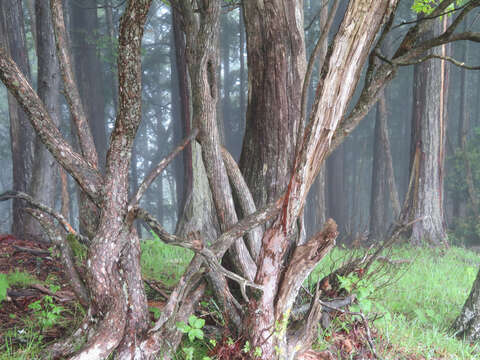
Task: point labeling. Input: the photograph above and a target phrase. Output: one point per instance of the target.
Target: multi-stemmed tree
(282, 154)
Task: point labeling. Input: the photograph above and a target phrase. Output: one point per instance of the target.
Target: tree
(424, 199)
(272, 267)
(21, 134)
(45, 171)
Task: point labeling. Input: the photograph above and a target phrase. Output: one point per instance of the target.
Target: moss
(79, 250)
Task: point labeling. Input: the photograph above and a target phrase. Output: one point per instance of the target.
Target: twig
(43, 208)
(403, 23)
(159, 168)
(446, 58)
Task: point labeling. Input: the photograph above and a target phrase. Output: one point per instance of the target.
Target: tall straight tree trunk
(378, 194)
(21, 132)
(458, 207)
(181, 111)
(85, 34)
(424, 199)
(88, 74)
(45, 170)
(276, 70)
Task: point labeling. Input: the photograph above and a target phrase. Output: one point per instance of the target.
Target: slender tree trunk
(45, 170)
(181, 111)
(88, 74)
(377, 214)
(21, 133)
(467, 325)
(336, 192)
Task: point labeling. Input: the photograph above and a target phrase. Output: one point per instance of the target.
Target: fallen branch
(36, 252)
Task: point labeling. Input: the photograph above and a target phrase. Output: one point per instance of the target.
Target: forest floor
(410, 303)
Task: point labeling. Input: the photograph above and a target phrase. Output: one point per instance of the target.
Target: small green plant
(246, 347)
(257, 352)
(193, 329)
(46, 312)
(194, 332)
(362, 288)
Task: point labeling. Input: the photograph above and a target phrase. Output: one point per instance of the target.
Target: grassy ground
(418, 302)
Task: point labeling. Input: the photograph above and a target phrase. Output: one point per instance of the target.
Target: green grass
(425, 301)
(21, 278)
(31, 340)
(163, 262)
(422, 299)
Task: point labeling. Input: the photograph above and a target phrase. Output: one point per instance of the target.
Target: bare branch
(195, 243)
(446, 58)
(159, 168)
(81, 170)
(245, 200)
(311, 63)
(59, 217)
(72, 94)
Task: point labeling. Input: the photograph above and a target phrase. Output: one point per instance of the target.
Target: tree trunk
(21, 133)
(458, 206)
(276, 65)
(336, 192)
(467, 325)
(378, 194)
(424, 199)
(85, 36)
(181, 112)
(45, 170)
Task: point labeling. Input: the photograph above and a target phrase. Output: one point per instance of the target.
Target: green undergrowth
(418, 301)
(163, 262)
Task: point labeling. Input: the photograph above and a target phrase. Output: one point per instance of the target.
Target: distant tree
(424, 200)
(43, 185)
(12, 35)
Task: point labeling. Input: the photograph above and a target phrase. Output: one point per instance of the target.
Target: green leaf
(195, 334)
(191, 320)
(183, 327)
(198, 323)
